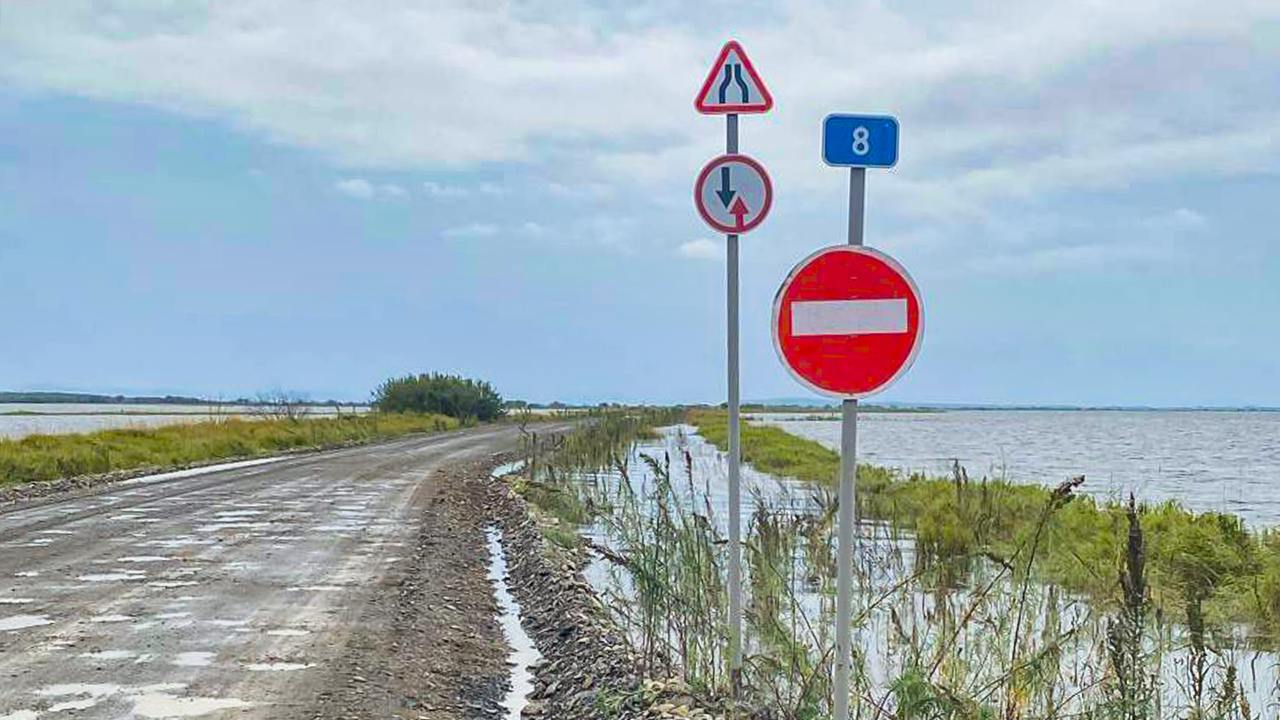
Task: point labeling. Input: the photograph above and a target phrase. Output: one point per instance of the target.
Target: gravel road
(259, 591)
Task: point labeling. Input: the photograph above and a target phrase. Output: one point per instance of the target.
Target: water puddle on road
(164, 705)
(276, 666)
(21, 622)
(524, 655)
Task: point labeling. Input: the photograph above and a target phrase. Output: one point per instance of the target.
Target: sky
(225, 198)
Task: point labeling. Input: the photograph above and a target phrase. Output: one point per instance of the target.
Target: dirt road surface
(348, 583)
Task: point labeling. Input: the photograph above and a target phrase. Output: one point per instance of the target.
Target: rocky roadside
(589, 670)
(428, 645)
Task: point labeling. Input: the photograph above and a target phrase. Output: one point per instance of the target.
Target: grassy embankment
(1208, 559)
(49, 457)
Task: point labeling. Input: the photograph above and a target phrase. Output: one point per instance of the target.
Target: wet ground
(250, 592)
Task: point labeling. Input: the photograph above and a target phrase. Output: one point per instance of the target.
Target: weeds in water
(1232, 571)
(958, 620)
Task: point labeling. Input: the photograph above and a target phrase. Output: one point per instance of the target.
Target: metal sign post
(733, 195)
(735, 436)
(848, 487)
(847, 322)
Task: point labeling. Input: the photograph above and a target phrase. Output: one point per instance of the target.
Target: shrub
(452, 395)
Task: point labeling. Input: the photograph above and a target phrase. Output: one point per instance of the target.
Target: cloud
(1005, 106)
(365, 190)
(471, 230)
(356, 188)
(701, 249)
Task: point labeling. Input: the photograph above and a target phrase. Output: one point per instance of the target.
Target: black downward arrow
(726, 195)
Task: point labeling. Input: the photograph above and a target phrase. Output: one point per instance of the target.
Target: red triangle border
(760, 107)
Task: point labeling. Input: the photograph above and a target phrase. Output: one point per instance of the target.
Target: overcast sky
(226, 197)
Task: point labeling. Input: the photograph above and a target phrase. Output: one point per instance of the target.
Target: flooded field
(1225, 461)
(22, 419)
(659, 523)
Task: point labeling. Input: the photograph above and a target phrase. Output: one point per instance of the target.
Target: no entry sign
(733, 194)
(847, 321)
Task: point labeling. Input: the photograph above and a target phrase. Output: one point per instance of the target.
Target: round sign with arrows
(733, 194)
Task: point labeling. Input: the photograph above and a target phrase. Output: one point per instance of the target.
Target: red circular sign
(847, 321)
(733, 194)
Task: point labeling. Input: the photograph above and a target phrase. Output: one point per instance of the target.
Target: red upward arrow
(738, 210)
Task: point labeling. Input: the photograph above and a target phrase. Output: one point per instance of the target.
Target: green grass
(38, 458)
(956, 521)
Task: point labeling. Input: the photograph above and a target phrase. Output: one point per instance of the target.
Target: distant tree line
(451, 395)
(49, 398)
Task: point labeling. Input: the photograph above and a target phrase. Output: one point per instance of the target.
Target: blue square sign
(860, 140)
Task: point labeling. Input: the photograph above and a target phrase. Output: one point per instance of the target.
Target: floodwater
(1205, 460)
(62, 418)
(699, 477)
(524, 654)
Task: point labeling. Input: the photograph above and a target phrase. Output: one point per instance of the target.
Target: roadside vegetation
(50, 457)
(975, 599)
(451, 395)
(1212, 558)
(552, 466)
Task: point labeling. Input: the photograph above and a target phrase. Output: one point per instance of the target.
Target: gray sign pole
(848, 490)
(735, 452)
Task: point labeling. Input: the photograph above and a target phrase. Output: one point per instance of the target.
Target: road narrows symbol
(733, 85)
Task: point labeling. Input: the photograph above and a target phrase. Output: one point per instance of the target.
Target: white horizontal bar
(849, 317)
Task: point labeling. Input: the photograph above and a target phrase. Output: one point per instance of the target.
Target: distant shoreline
(816, 409)
(65, 398)
(788, 405)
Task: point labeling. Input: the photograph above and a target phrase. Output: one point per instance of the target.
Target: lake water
(1224, 461)
(60, 418)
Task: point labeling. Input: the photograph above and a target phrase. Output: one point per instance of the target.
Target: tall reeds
(978, 633)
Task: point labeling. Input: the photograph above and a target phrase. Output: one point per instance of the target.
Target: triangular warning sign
(733, 85)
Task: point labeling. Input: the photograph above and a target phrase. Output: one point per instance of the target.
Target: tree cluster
(451, 395)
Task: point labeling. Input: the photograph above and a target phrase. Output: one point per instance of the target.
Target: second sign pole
(848, 488)
(735, 452)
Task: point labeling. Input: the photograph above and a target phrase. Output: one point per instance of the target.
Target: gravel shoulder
(428, 644)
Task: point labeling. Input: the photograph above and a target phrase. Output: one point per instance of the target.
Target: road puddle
(109, 655)
(193, 659)
(278, 666)
(149, 701)
(22, 622)
(164, 705)
(113, 577)
(524, 655)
